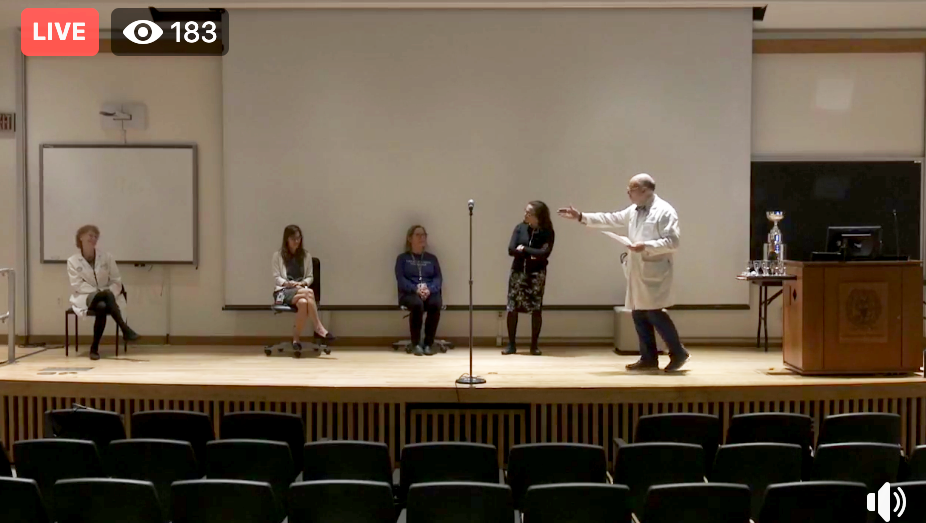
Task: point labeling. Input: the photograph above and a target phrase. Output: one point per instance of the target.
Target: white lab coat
(86, 280)
(279, 271)
(649, 273)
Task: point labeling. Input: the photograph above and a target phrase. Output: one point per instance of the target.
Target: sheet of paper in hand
(622, 239)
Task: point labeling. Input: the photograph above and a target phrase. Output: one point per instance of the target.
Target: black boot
(510, 350)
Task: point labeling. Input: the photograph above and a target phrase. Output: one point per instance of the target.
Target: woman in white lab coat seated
(96, 285)
(292, 276)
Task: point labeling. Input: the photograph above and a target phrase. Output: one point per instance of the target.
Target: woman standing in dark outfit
(531, 244)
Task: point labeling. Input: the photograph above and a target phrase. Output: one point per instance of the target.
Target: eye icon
(148, 31)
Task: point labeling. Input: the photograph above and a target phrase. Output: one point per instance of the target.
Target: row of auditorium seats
(347, 501)
(639, 468)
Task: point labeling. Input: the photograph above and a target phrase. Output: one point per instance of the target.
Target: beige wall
(184, 97)
(8, 195)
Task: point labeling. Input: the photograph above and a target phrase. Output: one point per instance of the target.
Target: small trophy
(774, 249)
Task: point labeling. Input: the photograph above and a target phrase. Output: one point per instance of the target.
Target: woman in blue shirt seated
(418, 276)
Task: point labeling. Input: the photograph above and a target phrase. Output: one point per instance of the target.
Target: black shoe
(677, 364)
(327, 337)
(297, 346)
(535, 351)
(94, 356)
(428, 351)
(129, 334)
(510, 350)
(642, 364)
(418, 350)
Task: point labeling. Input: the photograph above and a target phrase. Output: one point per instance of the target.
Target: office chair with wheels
(317, 344)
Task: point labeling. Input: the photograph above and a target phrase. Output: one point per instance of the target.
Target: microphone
(471, 204)
(896, 234)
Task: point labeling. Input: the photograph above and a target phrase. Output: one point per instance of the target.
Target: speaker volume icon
(882, 502)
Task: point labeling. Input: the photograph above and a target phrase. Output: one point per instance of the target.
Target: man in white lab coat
(652, 227)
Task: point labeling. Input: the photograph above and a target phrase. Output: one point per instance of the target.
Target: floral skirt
(525, 291)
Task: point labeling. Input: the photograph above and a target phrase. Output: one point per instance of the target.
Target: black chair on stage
(90, 313)
(317, 344)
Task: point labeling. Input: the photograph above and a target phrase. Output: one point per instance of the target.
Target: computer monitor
(855, 242)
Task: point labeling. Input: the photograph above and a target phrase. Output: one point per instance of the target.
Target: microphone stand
(469, 379)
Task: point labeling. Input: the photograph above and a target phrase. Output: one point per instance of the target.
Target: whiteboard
(142, 197)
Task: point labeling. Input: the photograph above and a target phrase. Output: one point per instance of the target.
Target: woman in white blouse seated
(292, 275)
(96, 285)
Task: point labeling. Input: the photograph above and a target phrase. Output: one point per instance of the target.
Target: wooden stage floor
(560, 371)
(573, 394)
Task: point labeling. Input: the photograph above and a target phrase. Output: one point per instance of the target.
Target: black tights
(104, 304)
(536, 323)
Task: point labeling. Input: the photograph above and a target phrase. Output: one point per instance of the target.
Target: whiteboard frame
(191, 146)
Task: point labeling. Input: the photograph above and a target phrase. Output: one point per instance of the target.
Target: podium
(857, 317)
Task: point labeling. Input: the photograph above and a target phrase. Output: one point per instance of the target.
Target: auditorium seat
(252, 460)
(359, 460)
(350, 501)
(682, 427)
(775, 427)
(868, 463)
(460, 502)
(915, 496)
(6, 470)
(697, 503)
(642, 465)
(577, 502)
(21, 501)
(446, 461)
(757, 465)
(869, 427)
(98, 426)
(107, 500)
(49, 460)
(224, 501)
(270, 426)
(546, 463)
(917, 468)
(159, 461)
(815, 501)
(180, 425)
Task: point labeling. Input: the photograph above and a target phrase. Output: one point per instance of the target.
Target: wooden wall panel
(399, 424)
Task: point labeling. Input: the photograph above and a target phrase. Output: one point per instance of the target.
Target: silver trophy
(774, 249)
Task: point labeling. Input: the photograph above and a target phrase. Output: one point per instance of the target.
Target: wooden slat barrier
(398, 424)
